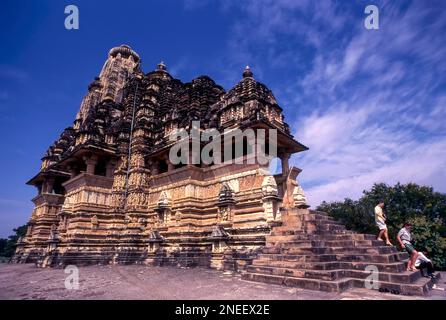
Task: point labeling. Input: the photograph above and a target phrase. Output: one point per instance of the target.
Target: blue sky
(370, 104)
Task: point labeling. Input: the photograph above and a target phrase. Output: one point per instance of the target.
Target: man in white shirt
(380, 220)
(424, 262)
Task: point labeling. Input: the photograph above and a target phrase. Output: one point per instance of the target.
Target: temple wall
(121, 200)
(91, 227)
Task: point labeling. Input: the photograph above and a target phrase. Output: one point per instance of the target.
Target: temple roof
(158, 103)
(250, 89)
(124, 50)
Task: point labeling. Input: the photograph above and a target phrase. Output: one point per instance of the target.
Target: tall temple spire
(121, 62)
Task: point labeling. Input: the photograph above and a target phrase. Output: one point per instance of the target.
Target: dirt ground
(155, 283)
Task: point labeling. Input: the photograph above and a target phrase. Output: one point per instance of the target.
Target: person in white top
(424, 262)
(380, 220)
(404, 237)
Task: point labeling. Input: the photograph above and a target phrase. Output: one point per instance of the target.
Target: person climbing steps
(380, 220)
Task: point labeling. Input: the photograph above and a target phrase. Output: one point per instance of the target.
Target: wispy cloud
(10, 72)
(379, 114)
(423, 164)
(370, 104)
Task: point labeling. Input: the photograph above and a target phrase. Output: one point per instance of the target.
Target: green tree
(3, 244)
(420, 205)
(10, 245)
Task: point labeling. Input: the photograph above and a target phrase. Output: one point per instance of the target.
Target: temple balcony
(48, 198)
(86, 191)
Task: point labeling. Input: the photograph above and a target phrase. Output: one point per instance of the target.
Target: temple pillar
(91, 164)
(270, 199)
(154, 168)
(110, 168)
(48, 185)
(284, 158)
(73, 169)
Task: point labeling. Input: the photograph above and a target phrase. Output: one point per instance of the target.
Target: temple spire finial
(161, 66)
(247, 72)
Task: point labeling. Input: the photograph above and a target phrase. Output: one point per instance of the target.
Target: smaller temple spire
(247, 73)
(161, 66)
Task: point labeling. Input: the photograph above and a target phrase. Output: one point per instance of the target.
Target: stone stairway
(311, 250)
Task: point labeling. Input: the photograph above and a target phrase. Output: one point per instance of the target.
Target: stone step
(351, 256)
(345, 236)
(307, 248)
(304, 248)
(287, 232)
(382, 249)
(324, 243)
(325, 237)
(398, 266)
(404, 277)
(288, 237)
(399, 277)
(419, 287)
(309, 284)
(313, 251)
(330, 227)
(321, 216)
(299, 223)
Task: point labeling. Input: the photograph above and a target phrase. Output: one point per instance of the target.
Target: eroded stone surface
(141, 282)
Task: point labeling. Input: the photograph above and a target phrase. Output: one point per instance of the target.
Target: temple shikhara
(107, 192)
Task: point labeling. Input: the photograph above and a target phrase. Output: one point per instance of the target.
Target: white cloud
(425, 164)
(369, 104)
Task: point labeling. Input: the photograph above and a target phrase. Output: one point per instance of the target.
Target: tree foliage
(7, 246)
(420, 205)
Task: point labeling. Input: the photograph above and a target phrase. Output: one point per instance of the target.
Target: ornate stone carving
(177, 217)
(269, 187)
(163, 201)
(270, 198)
(219, 239)
(300, 200)
(218, 232)
(163, 209)
(53, 232)
(226, 204)
(94, 222)
(155, 239)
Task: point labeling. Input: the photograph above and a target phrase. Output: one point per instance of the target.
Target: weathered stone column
(91, 163)
(154, 168)
(285, 157)
(219, 238)
(48, 185)
(110, 168)
(270, 199)
(72, 168)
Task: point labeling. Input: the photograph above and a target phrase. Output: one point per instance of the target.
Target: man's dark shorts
(409, 248)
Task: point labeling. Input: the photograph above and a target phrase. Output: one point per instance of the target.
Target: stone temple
(108, 193)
